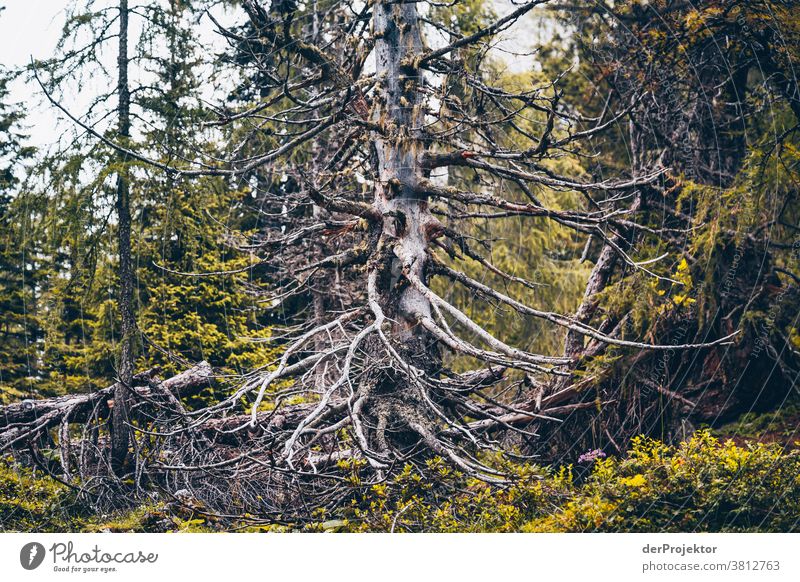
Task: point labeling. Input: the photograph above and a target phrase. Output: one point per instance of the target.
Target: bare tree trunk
(120, 437)
(408, 222)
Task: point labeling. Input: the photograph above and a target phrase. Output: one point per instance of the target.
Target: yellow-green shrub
(34, 502)
(700, 485)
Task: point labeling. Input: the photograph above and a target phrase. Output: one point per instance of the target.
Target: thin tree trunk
(120, 434)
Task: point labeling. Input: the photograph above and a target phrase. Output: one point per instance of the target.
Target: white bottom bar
(401, 557)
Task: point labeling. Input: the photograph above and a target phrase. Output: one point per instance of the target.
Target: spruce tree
(20, 332)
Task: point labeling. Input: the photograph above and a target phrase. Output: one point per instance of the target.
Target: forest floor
(780, 426)
(741, 476)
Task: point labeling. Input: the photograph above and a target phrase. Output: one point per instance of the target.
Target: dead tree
(389, 115)
(389, 100)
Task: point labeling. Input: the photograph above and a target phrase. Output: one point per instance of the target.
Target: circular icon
(31, 555)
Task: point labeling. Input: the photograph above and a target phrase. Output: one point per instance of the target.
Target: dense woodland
(399, 265)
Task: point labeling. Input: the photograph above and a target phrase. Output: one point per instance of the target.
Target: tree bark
(408, 222)
(120, 433)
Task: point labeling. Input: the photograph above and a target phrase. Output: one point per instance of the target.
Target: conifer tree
(20, 332)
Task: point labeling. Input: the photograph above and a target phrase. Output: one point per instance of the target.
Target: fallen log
(20, 422)
(30, 409)
(26, 419)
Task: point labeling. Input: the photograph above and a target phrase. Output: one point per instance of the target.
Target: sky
(30, 29)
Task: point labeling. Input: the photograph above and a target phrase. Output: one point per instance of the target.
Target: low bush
(702, 484)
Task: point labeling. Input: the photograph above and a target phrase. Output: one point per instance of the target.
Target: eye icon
(31, 555)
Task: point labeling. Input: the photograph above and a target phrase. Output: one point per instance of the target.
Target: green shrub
(700, 485)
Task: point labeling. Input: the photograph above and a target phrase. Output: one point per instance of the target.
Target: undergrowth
(703, 484)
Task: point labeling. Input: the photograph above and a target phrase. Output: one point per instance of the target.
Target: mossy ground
(703, 484)
(781, 426)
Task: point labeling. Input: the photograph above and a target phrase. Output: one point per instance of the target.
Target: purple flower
(591, 456)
